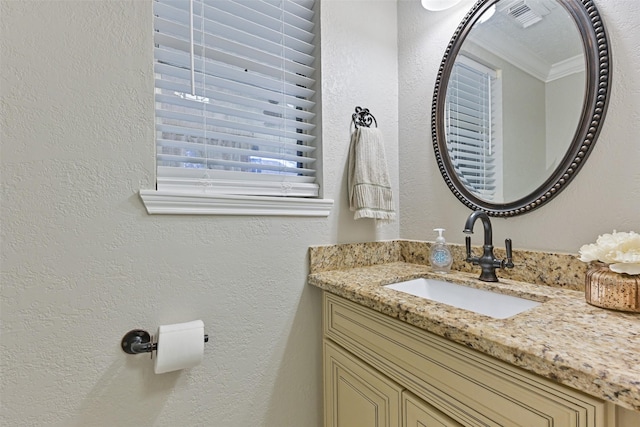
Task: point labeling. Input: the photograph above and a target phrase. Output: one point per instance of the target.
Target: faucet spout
(486, 224)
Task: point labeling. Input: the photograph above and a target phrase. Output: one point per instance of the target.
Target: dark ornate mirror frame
(598, 77)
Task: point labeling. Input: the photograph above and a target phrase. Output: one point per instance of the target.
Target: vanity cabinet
(380, 371)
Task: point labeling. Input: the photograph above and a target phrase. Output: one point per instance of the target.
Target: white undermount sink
(480, 301)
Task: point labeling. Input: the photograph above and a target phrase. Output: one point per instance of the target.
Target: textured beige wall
(82, 263)
(605, 195)
(359, 68)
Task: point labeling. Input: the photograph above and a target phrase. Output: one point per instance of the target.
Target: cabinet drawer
(472, 388)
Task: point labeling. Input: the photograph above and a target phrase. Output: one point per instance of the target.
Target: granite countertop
(565, 339)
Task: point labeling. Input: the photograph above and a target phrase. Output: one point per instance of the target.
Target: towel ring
(362, 117)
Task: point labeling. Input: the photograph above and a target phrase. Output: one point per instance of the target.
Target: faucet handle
(508, 247)
(472, 259)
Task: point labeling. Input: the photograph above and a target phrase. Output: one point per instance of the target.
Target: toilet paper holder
(138, 341)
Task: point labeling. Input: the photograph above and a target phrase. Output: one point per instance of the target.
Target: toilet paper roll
(180, 346)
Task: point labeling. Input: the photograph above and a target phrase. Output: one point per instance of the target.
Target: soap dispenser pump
(440, 257)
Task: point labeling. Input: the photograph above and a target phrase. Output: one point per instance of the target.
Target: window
(473, 127)
(234, 88)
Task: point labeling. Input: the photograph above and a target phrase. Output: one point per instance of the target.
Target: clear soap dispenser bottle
(440, 256)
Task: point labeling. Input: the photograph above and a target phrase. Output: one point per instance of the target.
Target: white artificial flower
(625, 268)
(589, 253)
(620, 250)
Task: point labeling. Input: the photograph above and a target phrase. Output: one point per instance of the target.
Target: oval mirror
(519, 101)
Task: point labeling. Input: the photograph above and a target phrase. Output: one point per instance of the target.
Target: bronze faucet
(487, 261)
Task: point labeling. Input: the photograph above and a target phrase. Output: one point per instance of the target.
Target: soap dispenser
(440, 256)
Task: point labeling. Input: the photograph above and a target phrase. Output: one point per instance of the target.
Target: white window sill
(181, 203)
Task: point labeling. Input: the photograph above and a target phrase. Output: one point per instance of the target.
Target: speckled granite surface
(541, 268)
(564, 339)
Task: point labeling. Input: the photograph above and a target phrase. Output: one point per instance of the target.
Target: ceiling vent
(525, 12)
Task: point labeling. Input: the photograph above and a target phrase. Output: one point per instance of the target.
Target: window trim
(191, 203)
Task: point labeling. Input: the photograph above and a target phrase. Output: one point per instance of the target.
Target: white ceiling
(543, 48)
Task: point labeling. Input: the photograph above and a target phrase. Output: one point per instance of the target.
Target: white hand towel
(370, 193)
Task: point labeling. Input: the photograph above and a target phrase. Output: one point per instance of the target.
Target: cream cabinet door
(356, 395)
(417, 413)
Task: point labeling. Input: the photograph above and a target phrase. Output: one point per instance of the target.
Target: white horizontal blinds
(234, 88)
(469, 127)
